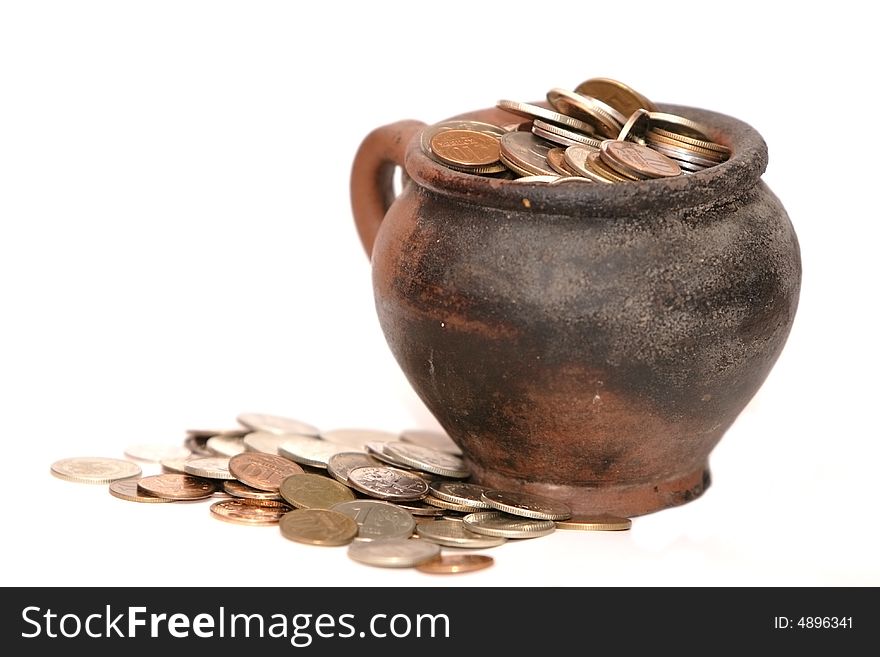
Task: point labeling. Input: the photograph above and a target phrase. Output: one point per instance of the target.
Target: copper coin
(634, 160)
(467, 148)
(598, 165)
(127, 489)
(246, 512)
(237, 489)
(616, 94)
(604, 119)
(176, 487)
(451, 564)
(262, 471)
(318, 527)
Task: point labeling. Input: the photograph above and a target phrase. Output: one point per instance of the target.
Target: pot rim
(739, 174)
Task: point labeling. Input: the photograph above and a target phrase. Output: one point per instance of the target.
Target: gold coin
(249, 512)
(679, 125)
(311, 491)
(616, 94)
(127, 489)
(176, 487)
(318, 527)
(94, 469)
(711, 148)
(636, 161)
(595, 523)
(451, 564)
(466, 148)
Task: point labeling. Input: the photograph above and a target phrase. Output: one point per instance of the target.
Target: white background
(177, 247)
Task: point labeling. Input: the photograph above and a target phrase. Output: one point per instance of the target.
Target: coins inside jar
(598, 110)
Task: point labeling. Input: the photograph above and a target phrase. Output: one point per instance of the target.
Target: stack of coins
(603, 131)
(397, 499)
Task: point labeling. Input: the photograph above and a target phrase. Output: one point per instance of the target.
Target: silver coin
(601, 116)
(265, 442)
(225, 445)
(497, 523)
(461, 493)
(561, 135)
(341, 463)
(197, 445)
(94, 469)
(636, 127)
(210, 467)
(308, 451)
(394, 553)
(421, 509)
(356, 439)
(538, 112)
(378, 520)
(527, 505)
(542, 180)
(376, 449)
(276, 424)
(527, 153)
(204, 434)
(387, 483)
(153, 453)
(173, 465)
(454, 534)
(576, 158)
(451, 506)
(428, 460)
(433, 439)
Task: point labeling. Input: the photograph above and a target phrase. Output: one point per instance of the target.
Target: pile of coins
(398, 500)
(603, 132)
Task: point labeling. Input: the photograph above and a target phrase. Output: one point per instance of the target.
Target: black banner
(435, 620)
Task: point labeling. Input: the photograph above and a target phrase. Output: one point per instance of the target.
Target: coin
(604, 119)
(637, 161)
(429, 132)
(377, 520)
(341, 463)
(538, 112)
(527, 505)
(262, 471)
(421, 509)
(451, 564)
(616, 94)
(153, 453)
(197, 445)
(496, 523)
(526, 154)
(211, 467)
(309, 451)
(433, 439)
(388, 483)
(265, 442)
(466, 148)
(225, 445)
(245, 512)
(357, 439)
(94, 469)
(654, 137)
(678, 125)
(556, 160)
(237, 489)
(318, 527)
(276, 424)
(636, 127)
(722, 150)
(461, 493)
(595, 523)
(680, 154)
(428, 460)
(539, 180)
(127, 489)
(560, 135)
(176, 487)
(576, 158)
(454, 534)
(393, 553)
(204, 434)
(598, 166)
(311, 491)
(173, 465)
(377, 450)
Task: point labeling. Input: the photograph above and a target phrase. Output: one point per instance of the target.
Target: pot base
(619, 500)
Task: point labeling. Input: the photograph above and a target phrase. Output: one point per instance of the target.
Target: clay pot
(591, 343)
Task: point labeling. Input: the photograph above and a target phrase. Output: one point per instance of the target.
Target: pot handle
(372, 176)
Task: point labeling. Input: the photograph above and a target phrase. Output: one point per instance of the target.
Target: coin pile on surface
(603, 132)
(398, 500)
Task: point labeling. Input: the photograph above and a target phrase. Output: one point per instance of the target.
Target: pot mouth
(738, 174)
